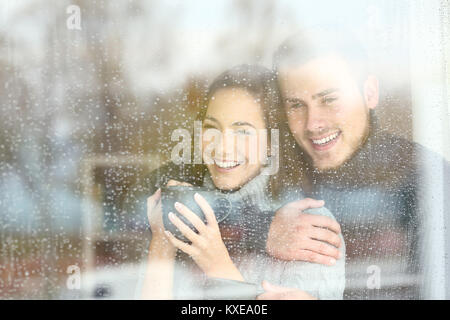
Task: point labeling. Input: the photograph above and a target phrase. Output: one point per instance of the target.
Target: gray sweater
(248, 254)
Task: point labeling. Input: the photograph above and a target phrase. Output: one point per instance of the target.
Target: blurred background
(88, 102)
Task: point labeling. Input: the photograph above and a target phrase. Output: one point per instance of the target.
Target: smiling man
(327, 113)
(336, 151)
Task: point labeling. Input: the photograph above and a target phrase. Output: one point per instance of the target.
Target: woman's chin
(227, 186)
(228, 182)
(231, 183)
(233, 179)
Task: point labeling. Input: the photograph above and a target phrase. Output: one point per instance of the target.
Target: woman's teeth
(226, 165)
(326, 139)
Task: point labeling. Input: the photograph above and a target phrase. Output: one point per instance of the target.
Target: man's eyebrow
(293, 100)
(324, 93)
(242, 123)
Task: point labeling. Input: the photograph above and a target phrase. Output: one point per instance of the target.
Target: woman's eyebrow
(242, 123)
(211, 119)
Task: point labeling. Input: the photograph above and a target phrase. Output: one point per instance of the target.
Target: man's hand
(273, 292)
(294, 235)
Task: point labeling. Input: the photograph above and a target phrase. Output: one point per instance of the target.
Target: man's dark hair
(295, 51)
(313, 43)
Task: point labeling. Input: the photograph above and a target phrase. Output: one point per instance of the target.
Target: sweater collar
(254, 190)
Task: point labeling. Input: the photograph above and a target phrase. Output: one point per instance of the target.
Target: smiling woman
(236, 114)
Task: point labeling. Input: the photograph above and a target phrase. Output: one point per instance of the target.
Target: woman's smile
(226, 166)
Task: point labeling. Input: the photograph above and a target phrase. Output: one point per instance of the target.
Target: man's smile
(325, 142)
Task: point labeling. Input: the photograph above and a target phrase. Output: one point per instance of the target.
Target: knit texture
(376, 196)
(244, 233)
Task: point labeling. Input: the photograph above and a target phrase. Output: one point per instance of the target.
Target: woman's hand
(207, 248)
(158, 281)
(154, 215)
(273, 292)
(159, 245)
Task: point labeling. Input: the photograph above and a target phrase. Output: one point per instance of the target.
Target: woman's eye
(244, 132)
(208, 126)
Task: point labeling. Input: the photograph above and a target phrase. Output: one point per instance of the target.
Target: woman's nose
(226, 147)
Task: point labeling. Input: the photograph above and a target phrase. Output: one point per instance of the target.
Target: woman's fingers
(273, 292)
(190, 216)
(172, 183)
(206, 208)
(183, 246)
(184, 229)
(267, 286)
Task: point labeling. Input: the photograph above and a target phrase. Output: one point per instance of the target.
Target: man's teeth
(226, 165)
(326, 139)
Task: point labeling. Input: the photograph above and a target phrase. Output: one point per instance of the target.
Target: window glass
(100, 106)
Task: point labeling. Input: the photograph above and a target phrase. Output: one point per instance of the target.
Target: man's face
(326, 110)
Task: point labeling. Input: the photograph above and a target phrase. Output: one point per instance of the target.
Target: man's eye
(329, 100)
(297, 105)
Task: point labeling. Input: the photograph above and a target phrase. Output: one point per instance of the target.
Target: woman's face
(232, 131)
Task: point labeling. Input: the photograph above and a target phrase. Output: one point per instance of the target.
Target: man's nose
(315, 119)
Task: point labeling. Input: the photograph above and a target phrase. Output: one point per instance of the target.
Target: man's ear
(371, 93)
